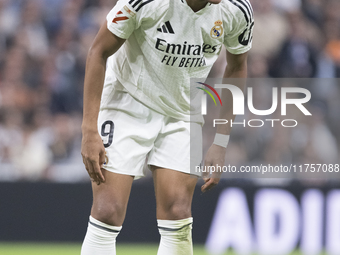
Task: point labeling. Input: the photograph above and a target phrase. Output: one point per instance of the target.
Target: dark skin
(93, 151)
(111, 191)
(197, 5)
(236, 68)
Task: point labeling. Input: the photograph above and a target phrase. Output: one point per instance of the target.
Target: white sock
(100, 238)
(175, 237)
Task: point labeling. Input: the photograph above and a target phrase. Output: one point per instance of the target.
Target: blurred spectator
(298, 54)
(287, 5)
(270, 30)
(44, 44)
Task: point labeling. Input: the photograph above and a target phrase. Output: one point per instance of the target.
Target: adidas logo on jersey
(166, 28)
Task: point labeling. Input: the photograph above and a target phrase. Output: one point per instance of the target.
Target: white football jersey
(168, 43)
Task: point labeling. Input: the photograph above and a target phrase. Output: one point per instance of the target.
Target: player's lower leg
(107, 214)
(175, 237)
(174, 191)
(100, 238)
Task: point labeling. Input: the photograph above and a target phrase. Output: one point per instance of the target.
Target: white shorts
(132, 132)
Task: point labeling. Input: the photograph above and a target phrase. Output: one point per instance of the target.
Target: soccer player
(136, 106)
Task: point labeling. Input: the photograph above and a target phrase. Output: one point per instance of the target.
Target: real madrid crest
(217, 30)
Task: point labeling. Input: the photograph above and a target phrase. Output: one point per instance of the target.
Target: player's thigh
(174, 191)
(110, 198)
(128, 130)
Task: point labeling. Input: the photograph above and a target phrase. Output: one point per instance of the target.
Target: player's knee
(112, 214)
(179, 210)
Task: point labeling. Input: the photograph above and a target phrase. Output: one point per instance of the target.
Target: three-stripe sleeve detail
(138, 4)
(245, 8)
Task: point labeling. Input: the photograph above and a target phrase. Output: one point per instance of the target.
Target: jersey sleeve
(123, 19)
(239, 38)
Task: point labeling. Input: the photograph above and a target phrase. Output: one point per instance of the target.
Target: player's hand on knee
(214, 161)
(93, 153)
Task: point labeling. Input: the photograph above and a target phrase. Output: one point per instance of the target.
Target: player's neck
(197, 5)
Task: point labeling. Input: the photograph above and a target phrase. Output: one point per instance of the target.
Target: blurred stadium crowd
(43, 48)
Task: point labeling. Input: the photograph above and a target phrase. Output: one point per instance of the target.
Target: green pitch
(74, 249)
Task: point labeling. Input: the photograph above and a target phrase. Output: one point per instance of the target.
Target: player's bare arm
(92, 149)
(236, 68)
